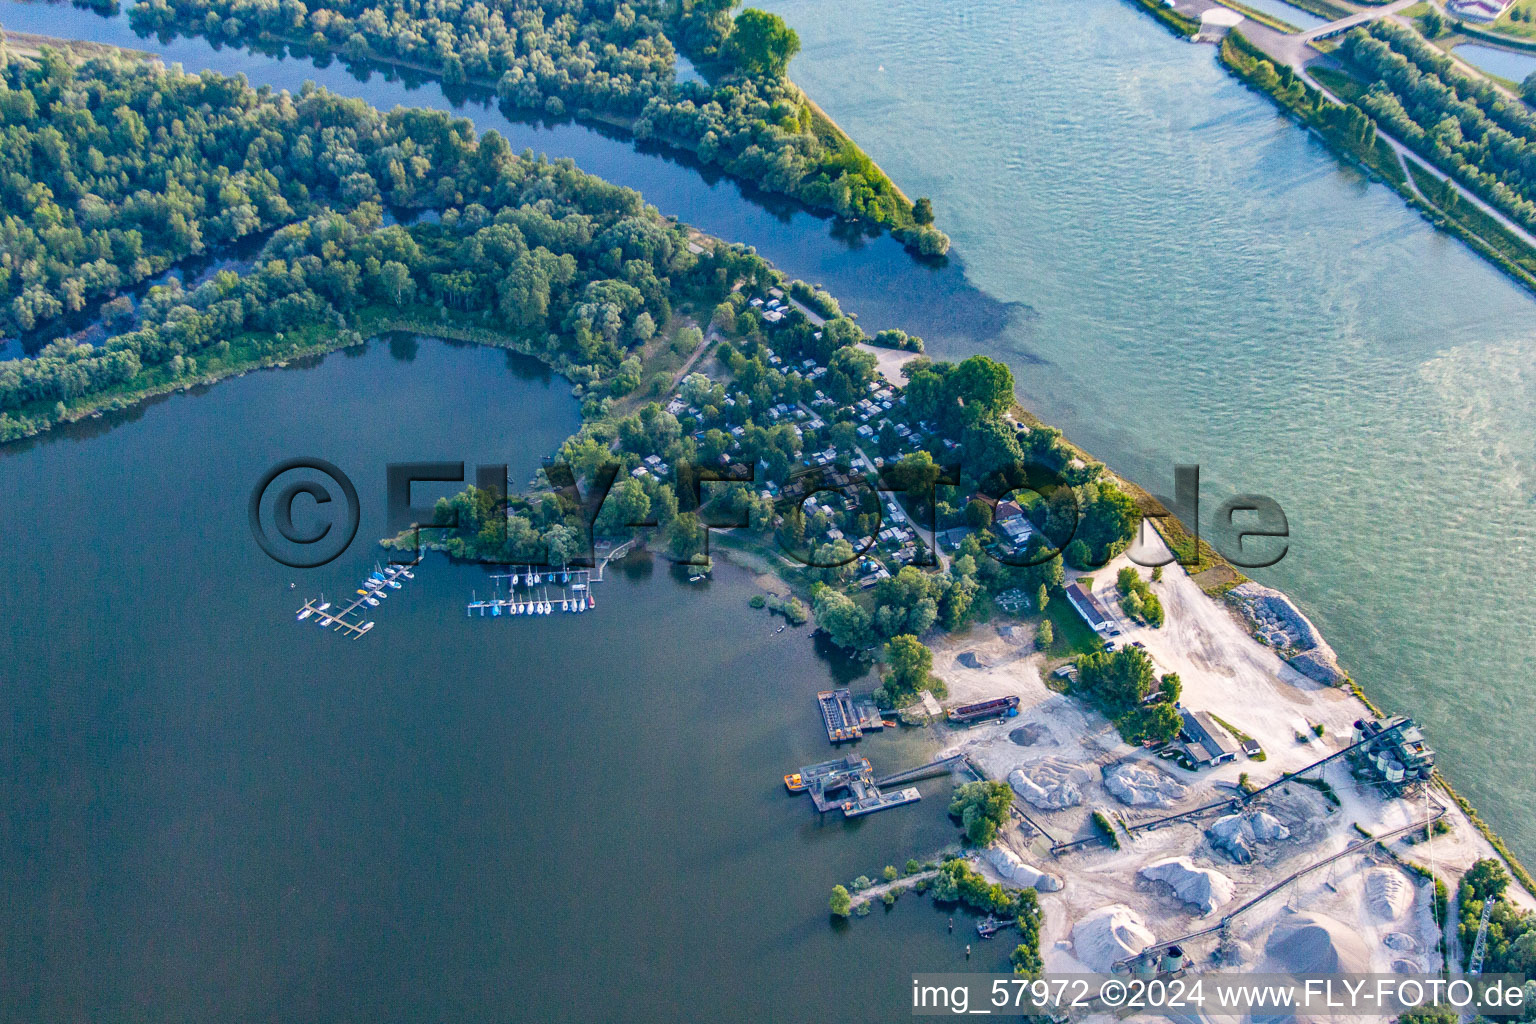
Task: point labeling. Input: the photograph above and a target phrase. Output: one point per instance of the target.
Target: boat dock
(538, 590)
(348, 619)
(848, 785)
(846, 718)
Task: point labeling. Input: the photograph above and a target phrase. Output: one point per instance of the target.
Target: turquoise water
(214, 814)
(1286, 13)
(1497, 61)
(1193, 279)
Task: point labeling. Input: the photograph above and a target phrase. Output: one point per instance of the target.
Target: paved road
(1344, 24)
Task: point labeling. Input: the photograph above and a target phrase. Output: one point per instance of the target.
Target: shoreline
(339, 338)
(301, 48)
(374, 322)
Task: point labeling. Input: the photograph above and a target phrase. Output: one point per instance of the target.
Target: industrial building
(1392, 750)
(1204, 740)
(1087, 606)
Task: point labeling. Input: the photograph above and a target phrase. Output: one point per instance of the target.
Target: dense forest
(1462, 124)
(579, 269)
(519, 251)
(613, 61)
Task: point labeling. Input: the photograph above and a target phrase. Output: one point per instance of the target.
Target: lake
(1174, 272)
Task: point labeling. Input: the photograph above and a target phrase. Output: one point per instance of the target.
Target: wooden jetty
(348, 620)
(528, 592)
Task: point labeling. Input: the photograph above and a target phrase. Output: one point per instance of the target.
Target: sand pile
(1387, 893)
(1202, 888)
(1049, 783)
(1238, 835)
(1317, 944)
(1008, 865)
(1107, 935)
(1142, 785)
(1030, 733)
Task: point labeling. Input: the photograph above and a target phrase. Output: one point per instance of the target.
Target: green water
(1197, 280)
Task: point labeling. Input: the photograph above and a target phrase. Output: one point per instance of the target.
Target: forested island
(610, 62)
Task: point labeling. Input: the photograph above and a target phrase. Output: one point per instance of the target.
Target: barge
(997, 707)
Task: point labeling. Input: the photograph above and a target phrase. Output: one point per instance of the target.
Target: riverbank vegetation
(1181, 25)
(1459, 123)
(551, 260)
(613, 63)
(1511, 939)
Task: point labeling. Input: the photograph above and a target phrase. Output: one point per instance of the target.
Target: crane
(1475, 965)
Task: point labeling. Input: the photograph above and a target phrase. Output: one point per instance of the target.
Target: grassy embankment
(1443, 206)
(1254, 14)
(1329, 120)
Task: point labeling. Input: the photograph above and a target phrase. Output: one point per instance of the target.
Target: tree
(1159, 723)
(922, 210)
(983, 386)
(911, 664)
(978, 514)
(844, 621)
(1172, 687)
(1432, 24)
(1528, 88)
(685, 538)
(983, 809)
(1116, 680)
(761, 43)
(1042, 598)
(1045, 636)
(841, 903)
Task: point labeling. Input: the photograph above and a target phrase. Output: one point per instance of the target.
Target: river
(218, 821)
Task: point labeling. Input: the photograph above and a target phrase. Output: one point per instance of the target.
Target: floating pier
(348, 619)
(846, 718)
(848, 785)
(538, 590)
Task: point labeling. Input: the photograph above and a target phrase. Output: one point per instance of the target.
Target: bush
(1106, 829)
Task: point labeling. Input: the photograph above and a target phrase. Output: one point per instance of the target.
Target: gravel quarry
(1370, 910)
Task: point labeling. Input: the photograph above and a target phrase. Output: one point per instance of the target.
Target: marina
(348, 620)
(538, 590)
